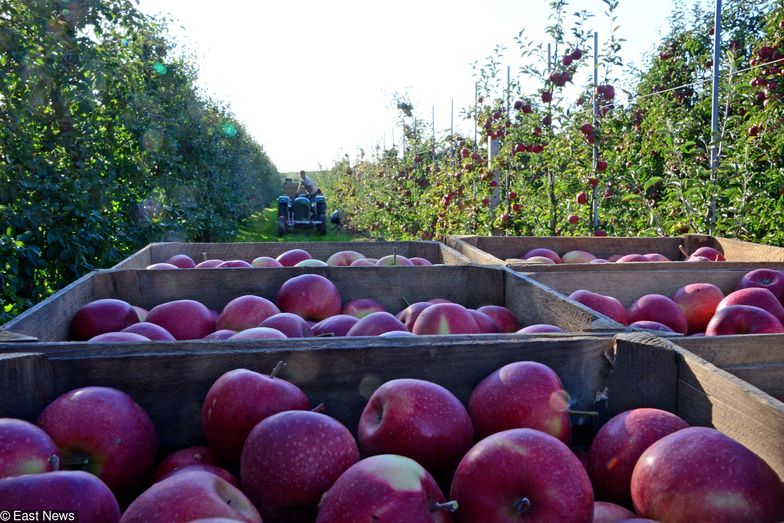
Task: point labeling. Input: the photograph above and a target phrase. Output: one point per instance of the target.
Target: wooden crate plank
(139, 260)
(466, 246)
(748, 251)
(739, 350)
(26, 385)
(14, 337)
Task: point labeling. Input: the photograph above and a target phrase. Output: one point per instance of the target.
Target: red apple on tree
(25, 449)
(101, 316)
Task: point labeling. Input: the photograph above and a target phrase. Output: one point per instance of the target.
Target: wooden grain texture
(14, 337)
(26, 385)
(434, 251)
(171, 385)
(737, 250)
(466, 246)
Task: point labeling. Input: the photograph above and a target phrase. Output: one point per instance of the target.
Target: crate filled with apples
(435, 431)
(142, 306)
(175, 255)
(615, 253)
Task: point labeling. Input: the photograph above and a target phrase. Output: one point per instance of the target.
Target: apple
(100, 316)
(577, 256)
(710, 253)
(363, 262)
(245, 312)
(25, 449)
(522, 475)
(118, 337)
(650, 325)
(161, 266)
(375, 324)
(416, 260)
(312, 262)
(150, 331)
(387, 487)
(311, 296)
(605, 512)
(394, 259)
(541, 251)
(184, 319)
(361, 307)
(505, 319)
(240, 399)
(629, 258)
(700, 259)
(743, 319)
(141, 312)
(657, 257)
(103, 431)
(189, 495)
(344, 258)
(208, 264)
(183, 261)
(770, 279)
(700, 474)
(220, 334)
(291, 459)
(212, 469)
(486, 324)
(614, 258)
(258, 333)
(67, 490)
(234, 264)
(698, 301)
(396, 334)
(183, 458)
(409, 315)
(539, 328)
(417, 419)
(660, 308)
(291, 257)
(618, 445)
(337, 325)
(265, 262)
(757, 297)
(291, 325)
(581, 198)
(607, 305)
(540, 259)
(523, 394)
(445, 318)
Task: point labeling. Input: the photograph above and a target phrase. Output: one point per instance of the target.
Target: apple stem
(204, 255)
(522, 505)
(683, 251)
(449, 506)
(277, 369)
(319, 408)
(583, 412)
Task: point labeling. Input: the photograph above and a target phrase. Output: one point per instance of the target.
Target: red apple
(222, 473)
(522, 475)
(409, 315)
(183, 458)
(650, 325)
(396, 334)
(291, 325)
(628, 258)
(184, 319)
(25, 449)
(291, 459)
(375, 324)
(258, 333)
(700, 474)
(540, 259)
(445, 318)
(599, 260)
(311, 263)
(657, 257)
(756, 297)
(417, 419)
(161, 266)
(337, 325)
(660, 308)
(183, 261)
(577, 256)
(291, 257)
(770, 279)
(605, 512)
(699, 259)
(361, 307)
(189, 495)
(234, 264)
(344, 258)
(416, 260)
(698, 301)
(385, 488)
(541, 251)
(245, 312)
(524, 394)
(539, 328)
(103, 431)
(710, 253)
(743, 319)
(208, 264)
(150, 331)
(607, 305)
(221, 334)
(100, 316)
(311, 296)
(394, 259)
(364, 262)
(486, 324)
(265, 262)
(505, 319)
(618, 445)
(614, 258)
(118, 337)
(240, 399)
(73, 490)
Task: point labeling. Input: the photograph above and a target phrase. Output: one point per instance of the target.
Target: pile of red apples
(292, 258)
(550, 257)
(702, 309)
(306, 305)
(503, 457)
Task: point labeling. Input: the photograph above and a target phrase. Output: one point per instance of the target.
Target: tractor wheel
(322, 227)
(281, 226)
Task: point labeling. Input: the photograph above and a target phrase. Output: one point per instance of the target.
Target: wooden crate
(599, 374)
(508, 250)
(435, 252)
(394, 287)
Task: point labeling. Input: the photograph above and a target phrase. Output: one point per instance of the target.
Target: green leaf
(653, 181)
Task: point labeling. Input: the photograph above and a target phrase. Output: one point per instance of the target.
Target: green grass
(263, 227)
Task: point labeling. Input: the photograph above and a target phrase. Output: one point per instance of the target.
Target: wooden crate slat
(26, 385)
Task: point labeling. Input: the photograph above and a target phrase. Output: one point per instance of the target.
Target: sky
(313, 80)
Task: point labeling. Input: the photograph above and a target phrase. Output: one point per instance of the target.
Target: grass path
(263, 227)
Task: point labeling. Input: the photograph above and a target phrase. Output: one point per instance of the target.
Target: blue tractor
(302, 212)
